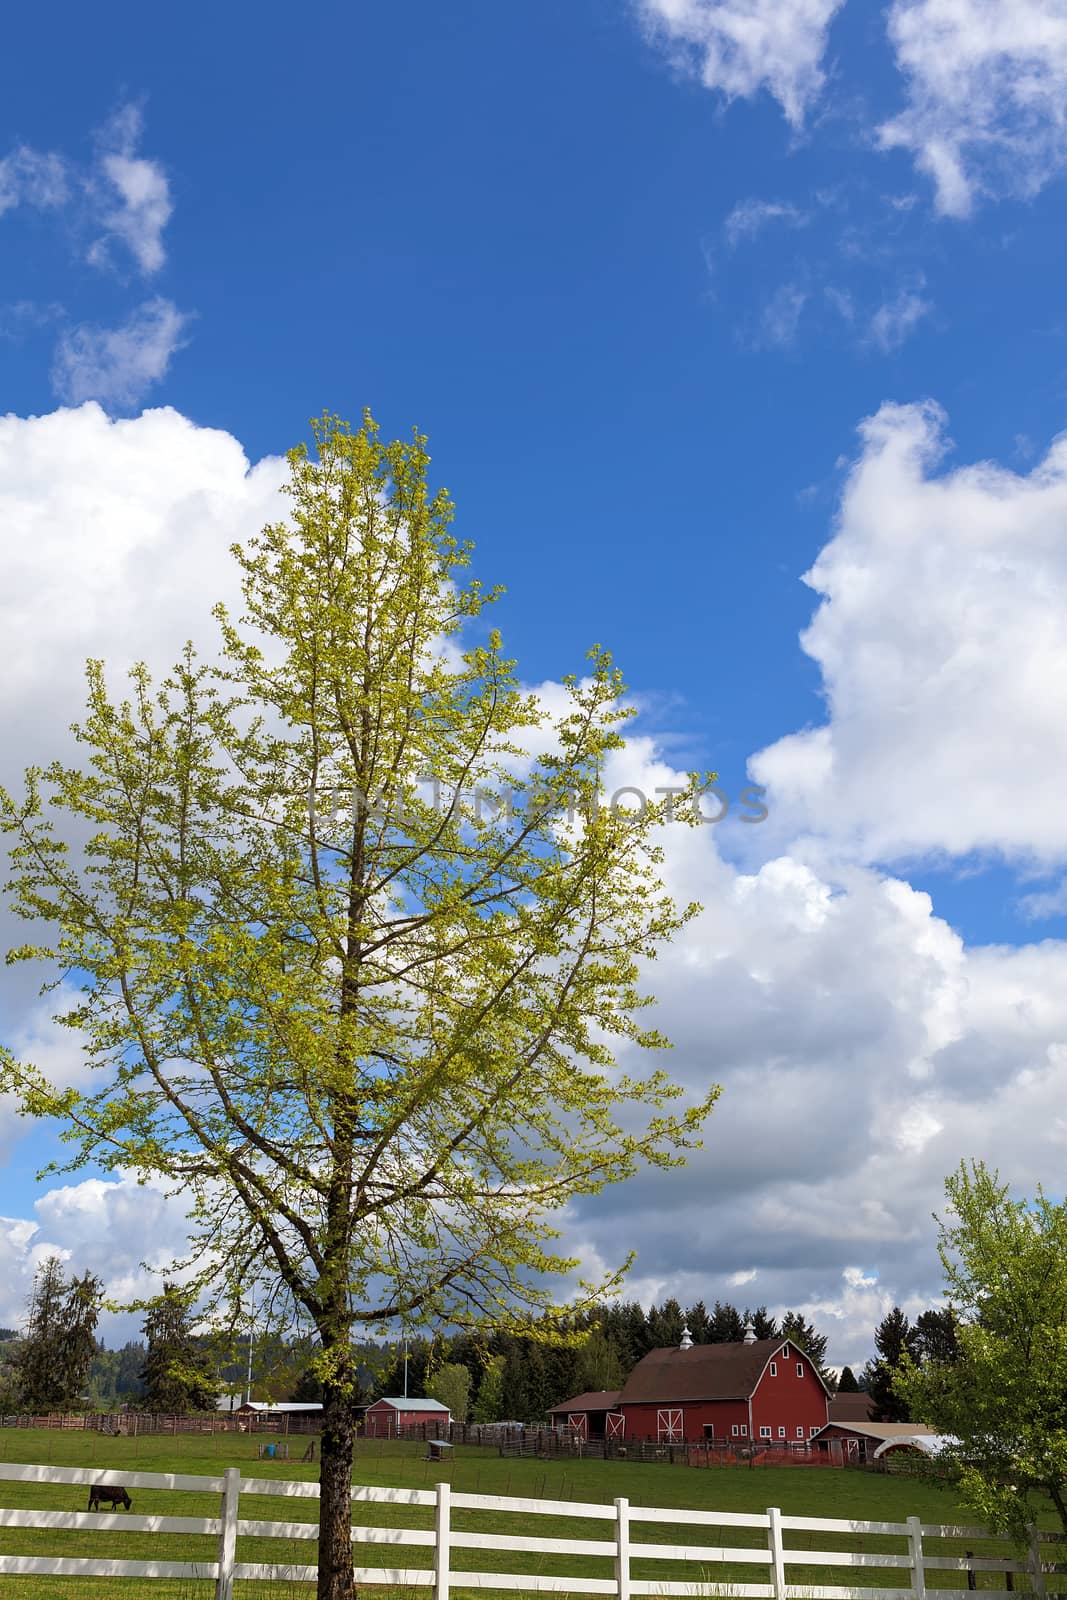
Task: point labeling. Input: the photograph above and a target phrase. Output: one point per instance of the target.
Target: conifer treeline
(520, 1379)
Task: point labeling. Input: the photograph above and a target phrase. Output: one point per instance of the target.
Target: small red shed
(386, 1418)
(755, 1389)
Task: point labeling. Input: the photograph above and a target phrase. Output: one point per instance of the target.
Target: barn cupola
(750, 1334)
(687, 1340)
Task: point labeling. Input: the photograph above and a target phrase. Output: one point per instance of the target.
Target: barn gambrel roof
(706, 1372)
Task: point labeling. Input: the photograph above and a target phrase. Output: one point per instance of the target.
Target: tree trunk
(335, 1496)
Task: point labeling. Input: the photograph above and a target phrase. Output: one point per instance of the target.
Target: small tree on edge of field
(1001, 1390)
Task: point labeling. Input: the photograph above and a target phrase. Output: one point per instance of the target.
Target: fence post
(915, 1551)
(622, 1548)
(1037, 1576)
(777, 1549)
(442, 1544)
(231, 1500)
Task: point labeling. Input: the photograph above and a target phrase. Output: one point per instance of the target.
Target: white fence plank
(844, 1558)
(546, 1508)
(535, 1583)
(278, 1572)
(698, 1519)
(532, 1543)
(729, 1591)
(848, 1525)
(107, 1522)
(117, 1476)
(700, 1552)
(96, 1567)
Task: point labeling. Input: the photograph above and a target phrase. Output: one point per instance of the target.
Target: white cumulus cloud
(987, 95)
(118, 366)
(135, 204)
(739, 47)
(941, 641)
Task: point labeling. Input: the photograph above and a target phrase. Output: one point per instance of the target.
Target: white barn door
(669, 1426)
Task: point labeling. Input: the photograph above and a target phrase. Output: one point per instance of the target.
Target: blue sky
(641, 272)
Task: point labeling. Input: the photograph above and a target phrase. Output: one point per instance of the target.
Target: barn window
(812, 1432)
(733, 1430)
(800, 1431)
(781, 1433)
(785, 1351)
(744, 1430)
(800, 1369)
(765, 1433)
(774, 1369)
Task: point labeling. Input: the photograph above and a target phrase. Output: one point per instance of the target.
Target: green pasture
(798, 1491)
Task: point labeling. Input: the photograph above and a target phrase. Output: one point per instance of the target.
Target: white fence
(618, 1550)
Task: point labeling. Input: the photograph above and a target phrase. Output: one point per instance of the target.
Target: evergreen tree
(307, 1390)
(52, 1361)
(894, 1340)
(763, 1324)
(725, 1325)
(697, 1321)
(936, 1337)
(627, 1325)
(36, 1363)
(515, 1382)
(846, 1383)
(77, 1344)
(177, 1375)
(665, 1324)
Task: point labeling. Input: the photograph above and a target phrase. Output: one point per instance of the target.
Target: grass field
(795, 1490)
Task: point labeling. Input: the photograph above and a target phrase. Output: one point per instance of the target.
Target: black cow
(108, 1494)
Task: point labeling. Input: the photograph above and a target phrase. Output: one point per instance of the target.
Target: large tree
(374, 1036)
(1001, 1390)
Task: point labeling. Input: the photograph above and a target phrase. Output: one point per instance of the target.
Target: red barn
(385, 1418)
(756, 1389)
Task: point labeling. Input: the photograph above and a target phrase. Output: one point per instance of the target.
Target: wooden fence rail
(619, 1549)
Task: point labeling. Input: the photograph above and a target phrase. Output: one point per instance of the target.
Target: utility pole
(251, 1323)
